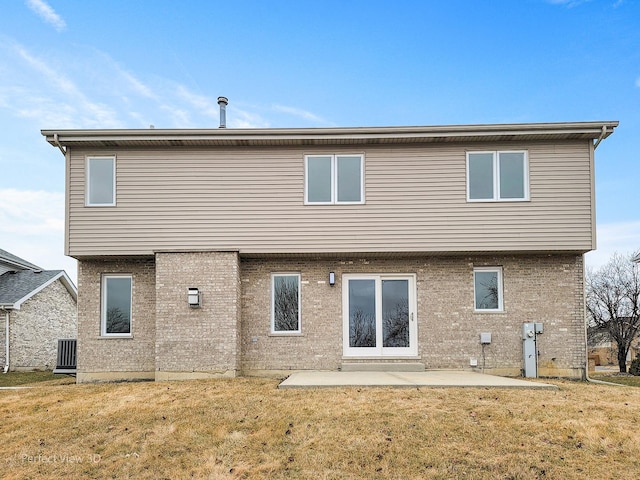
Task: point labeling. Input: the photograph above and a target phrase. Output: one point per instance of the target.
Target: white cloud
(298, 113)
(43, 100)
(622, 237)
(48, 14)
(33, 228)
(240, 118)
(568, 3)
(95, 91)
(205, 105)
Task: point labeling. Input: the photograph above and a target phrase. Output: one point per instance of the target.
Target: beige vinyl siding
(252, 200)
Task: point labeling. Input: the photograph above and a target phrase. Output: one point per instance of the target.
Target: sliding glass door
(379, 315)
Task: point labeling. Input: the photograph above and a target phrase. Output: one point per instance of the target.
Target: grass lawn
(246, 428)
(622, 379)
(14, 379)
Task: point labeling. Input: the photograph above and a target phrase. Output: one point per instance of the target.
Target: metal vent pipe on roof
(223, 101)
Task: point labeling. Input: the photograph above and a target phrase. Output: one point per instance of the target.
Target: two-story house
(261, 251)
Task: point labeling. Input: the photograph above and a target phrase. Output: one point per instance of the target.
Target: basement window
(101, 182)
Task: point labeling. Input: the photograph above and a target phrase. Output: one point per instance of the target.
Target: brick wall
(116, 358)
(231, 331)
(544, 288)
(203, 340)
(35, 329)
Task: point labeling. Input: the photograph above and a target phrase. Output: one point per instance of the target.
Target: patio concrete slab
(431, 378)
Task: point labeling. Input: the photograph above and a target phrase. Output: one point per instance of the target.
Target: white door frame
(379, 351)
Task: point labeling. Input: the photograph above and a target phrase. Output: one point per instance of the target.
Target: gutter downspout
(6, 332)
(64, 152)
(602, 134)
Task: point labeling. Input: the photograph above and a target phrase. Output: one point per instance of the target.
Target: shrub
(634, 369)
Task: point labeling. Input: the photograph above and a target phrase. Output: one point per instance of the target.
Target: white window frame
(87, 201)
(379, 351)
(496, 176)
(334, 179)
(273, 290)
(103, 307)
(500, 308)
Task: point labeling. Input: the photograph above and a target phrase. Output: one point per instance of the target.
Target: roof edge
(592, 130)
(61, 275)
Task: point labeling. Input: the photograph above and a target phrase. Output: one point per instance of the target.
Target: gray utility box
(530, 332)
(485, 338)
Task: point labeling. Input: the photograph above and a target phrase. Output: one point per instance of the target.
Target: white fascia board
(119, 136)
(66, 281)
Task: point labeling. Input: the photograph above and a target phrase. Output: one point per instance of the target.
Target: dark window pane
(286, 303)
(362, 313)
(118, 305)
(486, 287)
(395, 313)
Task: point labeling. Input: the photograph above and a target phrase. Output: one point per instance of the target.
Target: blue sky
(302, 63)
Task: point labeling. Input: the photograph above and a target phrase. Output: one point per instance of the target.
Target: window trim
(500, 308)
(496, 176)
(380, 351)
(103, 306)
(334, 179)
(87, 192)
(273, 331)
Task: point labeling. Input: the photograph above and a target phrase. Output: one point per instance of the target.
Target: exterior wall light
(193, 298)
(332, 278)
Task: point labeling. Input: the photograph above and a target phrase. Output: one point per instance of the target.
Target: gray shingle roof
(14, 286)
(11, 259)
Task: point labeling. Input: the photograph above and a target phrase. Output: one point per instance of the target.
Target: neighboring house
(606, 353)
(37, 307)
(220, 252)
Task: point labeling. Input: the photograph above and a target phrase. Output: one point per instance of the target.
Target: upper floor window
(497, 176)
(333, 179)
(116, 305)
(101, 181)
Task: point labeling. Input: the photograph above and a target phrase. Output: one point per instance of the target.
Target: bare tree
(490, 298)
(286, 305)
(613, 303)
(362, 330)
(117, 321)
(396, 325)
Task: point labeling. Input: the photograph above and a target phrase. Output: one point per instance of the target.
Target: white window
(333, 179)
(497, 176)
(487, 289)
(101, 181)
(285, 303)
(116, 305)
